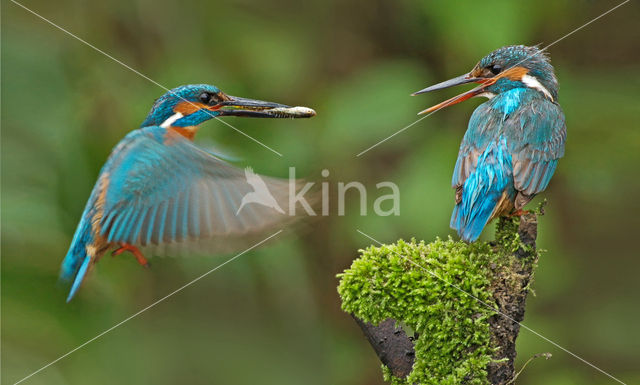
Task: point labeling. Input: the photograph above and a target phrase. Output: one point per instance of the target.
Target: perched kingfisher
(158, 188)
(513, 141)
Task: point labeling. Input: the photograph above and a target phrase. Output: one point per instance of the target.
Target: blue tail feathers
(470, 219)
(76, 263)
(482, 191)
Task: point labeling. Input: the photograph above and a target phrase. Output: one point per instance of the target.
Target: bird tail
(470, 218)
(76, 263)
(483, 193)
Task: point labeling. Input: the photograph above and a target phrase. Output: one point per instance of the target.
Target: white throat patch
(532, 82)
(171, 120)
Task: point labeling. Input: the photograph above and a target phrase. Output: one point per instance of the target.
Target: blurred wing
(165, 190)
(536, 143)
(254, 180)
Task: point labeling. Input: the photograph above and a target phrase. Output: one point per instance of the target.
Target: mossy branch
(445, 312)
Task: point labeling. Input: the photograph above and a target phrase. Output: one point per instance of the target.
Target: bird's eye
(205, 97)
(495, 68)
(209, 98)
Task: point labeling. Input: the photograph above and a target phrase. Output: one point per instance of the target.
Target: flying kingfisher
(513, 141)
(158, 188)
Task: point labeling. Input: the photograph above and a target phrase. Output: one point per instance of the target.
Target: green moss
(420, 285)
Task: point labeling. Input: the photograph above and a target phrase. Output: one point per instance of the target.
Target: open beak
(463, 79)
(236, 106)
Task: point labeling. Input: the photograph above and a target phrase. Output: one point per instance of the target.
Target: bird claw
(133, 250)
(519, 213)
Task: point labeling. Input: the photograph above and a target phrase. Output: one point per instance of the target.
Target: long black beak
(462, 79)
(237, 106)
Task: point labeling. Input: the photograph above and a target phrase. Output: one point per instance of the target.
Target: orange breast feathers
(174, 133)
(99, 244)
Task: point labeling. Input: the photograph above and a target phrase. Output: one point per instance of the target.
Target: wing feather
(483, 126)
(536, 140)
(137, 225)
(172, 192)
(207, 207)
(535, 135)
(148, 225)
(160, 223)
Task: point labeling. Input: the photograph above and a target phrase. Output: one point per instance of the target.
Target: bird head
(504, 69)
(190, 105)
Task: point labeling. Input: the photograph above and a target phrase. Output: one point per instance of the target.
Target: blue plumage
(513, 142)
(76, 262)
(483, 189)
(165, 105)
(158, 189)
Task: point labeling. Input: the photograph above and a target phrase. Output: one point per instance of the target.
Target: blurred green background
(273, 316)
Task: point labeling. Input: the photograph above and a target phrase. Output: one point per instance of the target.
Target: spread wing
(536, 142)
(164, 190)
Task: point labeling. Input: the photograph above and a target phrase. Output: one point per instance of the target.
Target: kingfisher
(513, 141)
(158, 188)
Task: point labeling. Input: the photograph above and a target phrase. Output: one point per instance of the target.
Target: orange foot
(519, 213)
(133, 250)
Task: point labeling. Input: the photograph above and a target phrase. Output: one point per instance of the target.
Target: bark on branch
(510, 288)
